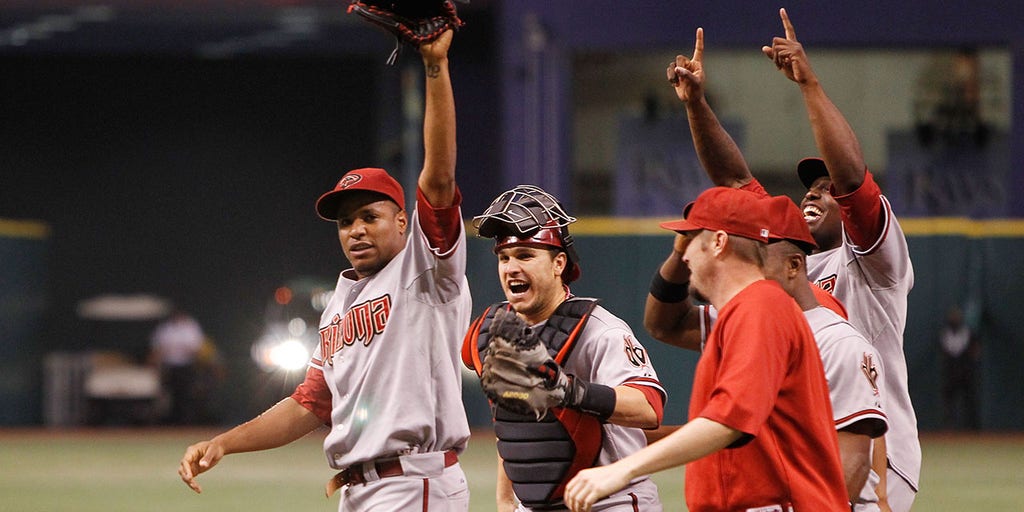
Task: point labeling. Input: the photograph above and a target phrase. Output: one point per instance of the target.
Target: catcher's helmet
(527, 215)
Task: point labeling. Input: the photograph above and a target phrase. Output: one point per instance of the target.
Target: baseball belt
(385, 468)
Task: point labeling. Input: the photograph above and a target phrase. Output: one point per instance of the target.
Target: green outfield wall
(23, 299)
(975, 264)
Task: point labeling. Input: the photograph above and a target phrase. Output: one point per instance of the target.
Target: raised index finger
(788, 25)
(698, 48)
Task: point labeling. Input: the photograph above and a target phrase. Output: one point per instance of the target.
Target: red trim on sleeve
(440, 225)
(755, 187)
(861, 211)
(470, 352)
(313, 394)
(654, 397)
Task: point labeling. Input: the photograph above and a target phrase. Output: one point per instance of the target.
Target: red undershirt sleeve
(313, 394)
(654, 397)
(755, 187)
(440, 225)
(861, 211)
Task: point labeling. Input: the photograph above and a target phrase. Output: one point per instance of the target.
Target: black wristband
(598, 400)
(666, 291)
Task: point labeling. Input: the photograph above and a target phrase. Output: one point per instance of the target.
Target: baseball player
(851, 364)
(760, 434)
(385, 376)
(621, 394)
(862, 256)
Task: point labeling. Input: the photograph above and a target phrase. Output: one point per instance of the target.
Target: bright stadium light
(290, 354)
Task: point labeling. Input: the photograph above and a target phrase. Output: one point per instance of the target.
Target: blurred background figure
(960, 353)
(210, 373)
(175, 346)
(949, 104)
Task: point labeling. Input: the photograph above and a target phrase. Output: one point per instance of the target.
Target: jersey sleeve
(751, 372)
(874, 236)
(313, 394)
(755, 187)
(612, 356)
(864, 220)
(442, 227)
(853, 370)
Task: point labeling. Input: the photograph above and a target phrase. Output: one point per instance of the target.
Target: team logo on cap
(348, 180)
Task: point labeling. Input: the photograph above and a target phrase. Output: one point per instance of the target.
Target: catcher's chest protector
(540, 457)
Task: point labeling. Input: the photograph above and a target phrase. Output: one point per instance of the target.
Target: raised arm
(716, 150)
(833, 136)
(437, 179)
(669, 315)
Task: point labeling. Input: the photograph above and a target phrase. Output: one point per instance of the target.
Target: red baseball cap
(728, 209)
(788, 223)
(367, 178)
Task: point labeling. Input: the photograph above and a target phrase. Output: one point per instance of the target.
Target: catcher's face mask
(527, 215)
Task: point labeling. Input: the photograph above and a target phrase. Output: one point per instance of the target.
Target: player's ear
(794, 263)
(402, 220)
(719, 240)
(561, 260)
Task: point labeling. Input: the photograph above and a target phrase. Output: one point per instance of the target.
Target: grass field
(130, 470)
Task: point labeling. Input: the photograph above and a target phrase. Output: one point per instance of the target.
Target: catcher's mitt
(411, 21)
(518, 373)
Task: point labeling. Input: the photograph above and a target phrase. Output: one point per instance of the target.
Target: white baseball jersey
(853, 370)
(871, 274)
(607, 353)
(389, 353)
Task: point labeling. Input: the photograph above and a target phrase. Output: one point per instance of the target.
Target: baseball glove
(518, 373)
(414, 22)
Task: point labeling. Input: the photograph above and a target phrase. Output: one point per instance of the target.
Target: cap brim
(327, 205)
(810, 169)
(680, 226)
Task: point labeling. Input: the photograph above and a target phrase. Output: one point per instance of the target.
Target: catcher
(571, 387)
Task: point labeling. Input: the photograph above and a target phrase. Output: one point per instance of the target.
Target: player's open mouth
(516, 286)
(812, 212)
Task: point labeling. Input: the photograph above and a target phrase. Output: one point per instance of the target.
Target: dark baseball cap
(788, 223)
(810, 169)
(368, 178)
(737, 212)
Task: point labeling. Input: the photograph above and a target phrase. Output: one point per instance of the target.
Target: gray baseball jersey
(853, 370)
(608, 353)
(871, 274)
(389, 353)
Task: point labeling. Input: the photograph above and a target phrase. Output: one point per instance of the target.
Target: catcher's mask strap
(394, 53)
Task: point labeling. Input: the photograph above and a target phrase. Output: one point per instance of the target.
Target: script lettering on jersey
(827, 283)
(361, 323)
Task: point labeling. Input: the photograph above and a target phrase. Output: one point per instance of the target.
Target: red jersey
(761, 374)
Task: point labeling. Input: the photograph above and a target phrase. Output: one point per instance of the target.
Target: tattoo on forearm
(433, 70)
